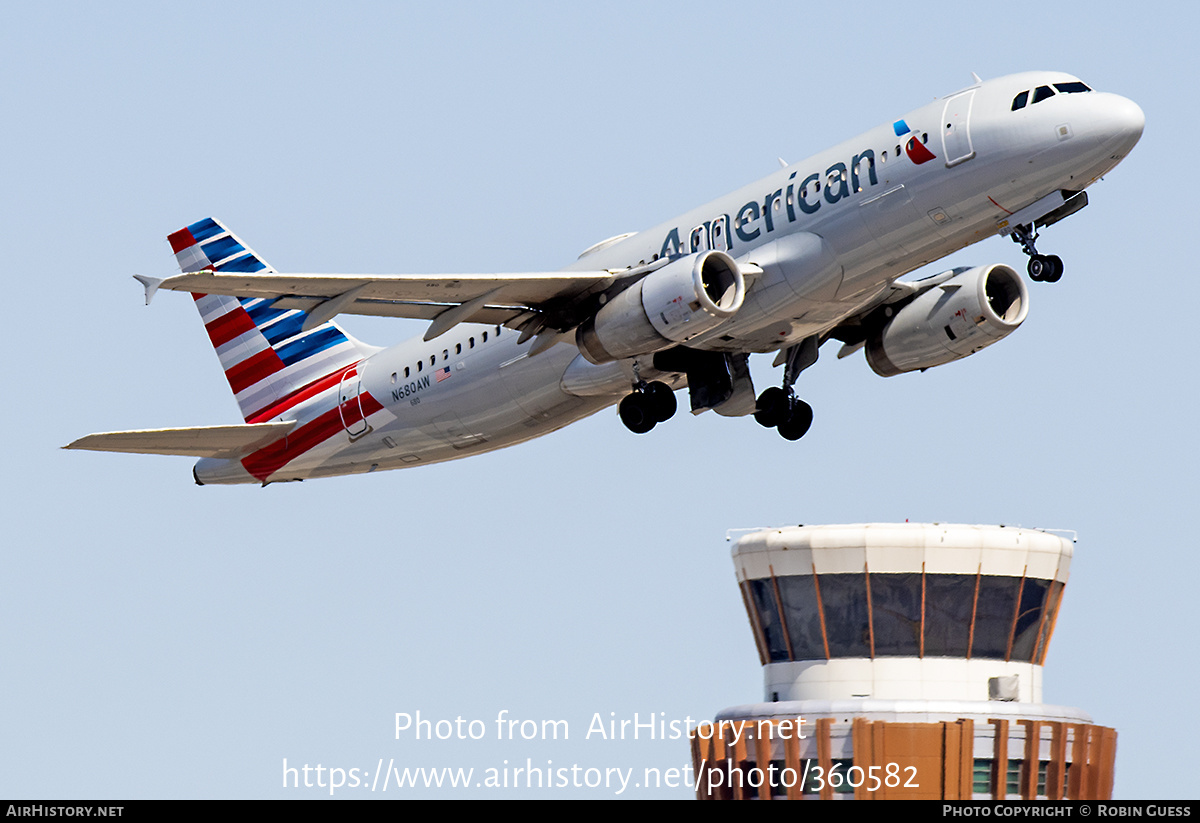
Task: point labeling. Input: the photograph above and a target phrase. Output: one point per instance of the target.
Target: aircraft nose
(1121, 122)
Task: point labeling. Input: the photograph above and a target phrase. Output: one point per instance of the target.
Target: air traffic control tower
(903, 660)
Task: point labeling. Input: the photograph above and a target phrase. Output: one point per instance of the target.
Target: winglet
(150, 284)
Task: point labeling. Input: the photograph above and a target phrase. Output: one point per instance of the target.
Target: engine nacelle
(672, 305)
(968, 312)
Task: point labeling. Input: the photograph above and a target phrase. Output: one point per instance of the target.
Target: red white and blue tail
(270, 361)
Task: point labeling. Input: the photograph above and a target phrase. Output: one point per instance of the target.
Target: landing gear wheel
(637, 413)
(772, 407)
(661, 401)
(1039, 268)
(1055, 272)
(799, 419)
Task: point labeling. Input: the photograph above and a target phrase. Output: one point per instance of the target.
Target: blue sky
(163, 640)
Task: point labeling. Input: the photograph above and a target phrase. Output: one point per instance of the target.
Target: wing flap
(197, 441)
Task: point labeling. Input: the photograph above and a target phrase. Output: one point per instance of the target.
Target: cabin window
(445, 355)
(393, 378)
(1020, 100)
(432, 359)
(1041, 93)
(471, 343)
(458, 348)
(420, 365)
(407, 372)
(485, 337)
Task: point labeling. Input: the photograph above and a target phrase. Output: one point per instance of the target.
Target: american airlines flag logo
(443, 374)
(915, 147)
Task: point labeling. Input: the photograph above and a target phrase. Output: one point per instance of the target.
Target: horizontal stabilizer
(198, 441)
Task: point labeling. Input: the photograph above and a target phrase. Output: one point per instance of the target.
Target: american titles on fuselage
(755, 218)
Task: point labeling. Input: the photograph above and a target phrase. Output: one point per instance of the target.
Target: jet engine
(669, 306)
(959, 316)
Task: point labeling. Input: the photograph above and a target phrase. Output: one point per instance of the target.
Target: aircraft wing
(199, 441)
(446, 299)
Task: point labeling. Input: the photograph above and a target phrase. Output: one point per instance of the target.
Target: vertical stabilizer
(270, 361)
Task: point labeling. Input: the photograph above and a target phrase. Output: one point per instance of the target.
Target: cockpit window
(1043, 92)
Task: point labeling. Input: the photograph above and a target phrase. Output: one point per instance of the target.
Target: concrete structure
(913, 653)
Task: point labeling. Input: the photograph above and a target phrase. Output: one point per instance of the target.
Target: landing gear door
(956, 129)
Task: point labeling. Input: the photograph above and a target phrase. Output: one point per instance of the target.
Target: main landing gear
(648, 405)
(1042, 267)
(778, 407)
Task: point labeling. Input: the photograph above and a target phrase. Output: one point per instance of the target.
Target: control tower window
(896, 614)
(845, 596)
(763, 594)
(800, 610)
(949, 604)
(1029, 618)
(994, 614)
(807, 617)
(1047, 624)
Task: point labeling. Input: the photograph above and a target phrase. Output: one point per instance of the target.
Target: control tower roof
(935, 548)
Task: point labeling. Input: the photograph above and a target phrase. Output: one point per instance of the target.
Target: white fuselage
(856, 217)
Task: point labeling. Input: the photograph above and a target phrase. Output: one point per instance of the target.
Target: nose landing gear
(648, 405)
(1042, 267)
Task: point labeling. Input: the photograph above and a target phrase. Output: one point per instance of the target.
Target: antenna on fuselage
(978, 79)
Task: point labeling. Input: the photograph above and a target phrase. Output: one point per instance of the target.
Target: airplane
(811, 253)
